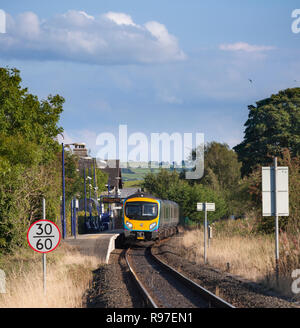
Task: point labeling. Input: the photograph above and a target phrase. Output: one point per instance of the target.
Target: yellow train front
(146, 217)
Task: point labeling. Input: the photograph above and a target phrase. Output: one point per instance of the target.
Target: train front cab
(141, 218)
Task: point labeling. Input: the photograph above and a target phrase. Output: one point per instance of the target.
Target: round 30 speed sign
(43, 236)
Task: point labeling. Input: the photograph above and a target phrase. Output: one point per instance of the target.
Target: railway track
(163, 287)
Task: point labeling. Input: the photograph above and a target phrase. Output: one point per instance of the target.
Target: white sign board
(43, 236)
(268, 191)
(210, 207)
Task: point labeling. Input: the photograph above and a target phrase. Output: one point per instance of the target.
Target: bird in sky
(250, 81)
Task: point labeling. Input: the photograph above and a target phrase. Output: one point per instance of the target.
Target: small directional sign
(43, 236)
(206, 207)
(210, 207)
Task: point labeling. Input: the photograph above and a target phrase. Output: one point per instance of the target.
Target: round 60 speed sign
(43, 236)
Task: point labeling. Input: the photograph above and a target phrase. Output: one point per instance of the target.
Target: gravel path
(239, 292)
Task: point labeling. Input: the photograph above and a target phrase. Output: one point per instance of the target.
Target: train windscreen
(141, 210)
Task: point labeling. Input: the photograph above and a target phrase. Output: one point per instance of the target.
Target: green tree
(221, 167)
(30, 167)
(21, 113)
(168, 185)
(272, 125)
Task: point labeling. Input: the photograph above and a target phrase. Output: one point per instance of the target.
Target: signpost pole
(205, 231)
(276, 222)
(206, 207)
(275, 200)
(44, 254)
(63, 194)
(43, 236)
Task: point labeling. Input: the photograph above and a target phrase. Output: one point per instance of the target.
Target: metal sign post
(43, 236)
(275, 199)
(205, 232)
(276, 223)
(206, 207)
(44, 254)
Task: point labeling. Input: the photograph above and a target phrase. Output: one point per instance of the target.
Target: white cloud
(246, 47)
(30, 25)
(164, 40)
(111, 38)
(168, 98)
(120, 18)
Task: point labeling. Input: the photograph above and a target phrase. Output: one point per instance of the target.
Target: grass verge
(69, 274)
(235, 249)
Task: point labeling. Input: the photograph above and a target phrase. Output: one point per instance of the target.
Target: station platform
(99, 244)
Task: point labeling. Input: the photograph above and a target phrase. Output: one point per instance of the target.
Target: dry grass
(250, 256)
(68, 276)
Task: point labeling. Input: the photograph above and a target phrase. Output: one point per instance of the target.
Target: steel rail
(143, 291)
(212, 299)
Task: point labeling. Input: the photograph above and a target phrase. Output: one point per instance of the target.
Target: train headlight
(152, 225)
(129, 225)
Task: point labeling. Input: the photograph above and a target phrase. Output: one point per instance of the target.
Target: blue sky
(157, 66)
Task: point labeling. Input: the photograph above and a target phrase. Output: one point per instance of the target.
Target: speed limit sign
(43, 236)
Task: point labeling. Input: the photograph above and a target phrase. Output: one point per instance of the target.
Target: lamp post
(84, 181)
(95, 179)
(86, 158)
(90, 200)
(100, 164)
(64, 228)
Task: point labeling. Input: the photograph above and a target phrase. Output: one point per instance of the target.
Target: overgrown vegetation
(30, 160)
(232, 178)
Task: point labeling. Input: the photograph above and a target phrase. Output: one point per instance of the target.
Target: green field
(134, 183)
(138, 174)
